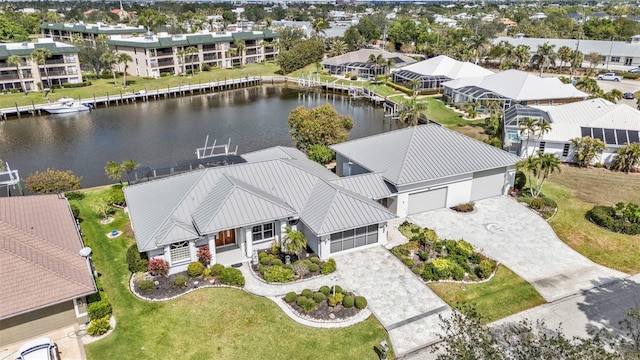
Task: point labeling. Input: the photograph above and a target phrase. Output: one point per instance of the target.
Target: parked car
(610, 77)
(635, 70)
(38, 349)
(629, 96)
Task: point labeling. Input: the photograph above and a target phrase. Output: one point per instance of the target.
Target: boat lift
(10, 178)
(215, 150)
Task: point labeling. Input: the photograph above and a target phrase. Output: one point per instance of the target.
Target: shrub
(262, 255)
(116, 196)
(216, 270)
(278, 274)
(464, 248)
(233, 277)
(300, 269)
(265, 260)
(99, 309)
(288, 266)
(328, 267)
(625, 218)
(315, 260)
(275, 247)
(353, 77)
(536, 203)
(423, 255)
(158, 267)
(325, 290)
(308, 305)
(195, 269)
(360, 302)
(475, 258)
(99, 326)
(443, 267)
(457, 272)
(74, 195)
(204, 255)
(135, 261)
(307, 293)
(408, 262)
(335, 299)
(206, 272)
(336, 289)
(520, 180)
(464, 208)
(320, 154)
(348, 301)
(429, 273)
(313, 268)
(301, 300)
(276, 262)
(145, 285)
(290, 297)
(319, 297)
(180, 281)
(485, 269)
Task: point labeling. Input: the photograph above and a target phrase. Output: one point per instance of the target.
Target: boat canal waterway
(166, 130)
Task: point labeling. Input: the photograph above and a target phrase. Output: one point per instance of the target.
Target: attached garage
(427, 200)
(487, 183)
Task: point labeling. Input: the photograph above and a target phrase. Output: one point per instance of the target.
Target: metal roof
(94, 28)
(244, 194)
(362, 56)
(292, 155)
(513, 113)
(447, 67)
(25, 49)
(604, 47)
(371, 185)
(152, 42)
(422, 153)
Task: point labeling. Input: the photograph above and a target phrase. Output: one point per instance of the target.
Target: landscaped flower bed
(437, 259)
(622, 218)
(272, 267)
(543, 205)
(326, 303)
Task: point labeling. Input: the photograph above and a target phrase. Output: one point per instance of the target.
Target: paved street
(515, 236)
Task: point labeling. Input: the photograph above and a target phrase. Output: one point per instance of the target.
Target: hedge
(605, 216)
(135, 261)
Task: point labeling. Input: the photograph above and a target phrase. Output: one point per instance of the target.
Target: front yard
(205, 324)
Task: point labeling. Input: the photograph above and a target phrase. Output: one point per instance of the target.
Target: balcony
(216, 56)
(52, 73)
(253, 52)
(165, 62)
(54, 61)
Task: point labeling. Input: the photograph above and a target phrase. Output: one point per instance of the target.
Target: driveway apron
(520, 239)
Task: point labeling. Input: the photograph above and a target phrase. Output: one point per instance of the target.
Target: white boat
(65, 106)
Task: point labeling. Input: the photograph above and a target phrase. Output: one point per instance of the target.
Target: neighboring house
(89, 32)
(357, 63)
(619, 53)
(431, 73)
(44, 281)
(62, 67)
(426, 167)
(615, 124)
(240, 208)
(160, 54)
(509, 88)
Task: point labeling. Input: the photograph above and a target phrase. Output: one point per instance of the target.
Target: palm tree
(410, 111)
(240, 47)
(124, 59)
(614, 95)
(111, 60)
(189, 53)
(377, 61)
(627, 157)
(565, 54)
(113, 171)
(182, 53)
(588, 85)
(17, 61)
(542, 128)
(539, 167)
(129, 165)
(338, 47)
(528, 128)
(294, 241)
(478, 46)
(544, 56)
(389, 64)
(319, 26)
(40, 56)
(521, 55)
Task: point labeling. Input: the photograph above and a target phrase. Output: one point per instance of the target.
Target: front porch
(231, 255)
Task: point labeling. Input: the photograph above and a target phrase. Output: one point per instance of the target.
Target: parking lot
(625, 86)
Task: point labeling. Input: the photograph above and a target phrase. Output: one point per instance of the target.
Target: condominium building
(176, 54)
(62, 67)
(89, 32)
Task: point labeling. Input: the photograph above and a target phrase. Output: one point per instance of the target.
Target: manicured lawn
(208, 323)
(576, 191)
(505, 294)
(437, 111)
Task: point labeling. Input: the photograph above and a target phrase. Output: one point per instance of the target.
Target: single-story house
(357, 63)
(44, 281)
(431, 73)
(615, 124)
(511, 87)
(424, 167)
(240, 208)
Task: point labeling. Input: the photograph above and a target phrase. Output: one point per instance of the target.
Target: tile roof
(422, 153)
(39, 254)
(446, 66)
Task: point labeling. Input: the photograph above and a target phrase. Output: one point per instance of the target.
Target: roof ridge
(233, 179)
(408, 146)
(333, 198)
(227, 195)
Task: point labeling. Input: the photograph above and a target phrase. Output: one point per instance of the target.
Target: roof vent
(85, 252)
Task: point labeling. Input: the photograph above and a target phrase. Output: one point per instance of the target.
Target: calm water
(159, 131)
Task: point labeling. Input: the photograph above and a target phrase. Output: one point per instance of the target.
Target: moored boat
(66, 105)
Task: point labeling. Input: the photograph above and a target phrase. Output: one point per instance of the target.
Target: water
(165, 130)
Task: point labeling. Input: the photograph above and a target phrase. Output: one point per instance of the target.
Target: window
(615, 59)
(565, 150)
(354, 238)
(180, 252)
(262, 233)
(542, 145)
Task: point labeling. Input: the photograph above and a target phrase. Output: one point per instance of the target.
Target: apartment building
(89, 32)
(62, 67)
(164, 54)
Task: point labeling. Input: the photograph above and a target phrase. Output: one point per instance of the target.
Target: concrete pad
(512, 234)
(69, 345)
(405, 306)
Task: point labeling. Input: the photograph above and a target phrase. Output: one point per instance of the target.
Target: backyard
(219, 323)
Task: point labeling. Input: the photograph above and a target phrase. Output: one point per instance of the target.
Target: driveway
(69, 345)
(405, 306)
(515, 236)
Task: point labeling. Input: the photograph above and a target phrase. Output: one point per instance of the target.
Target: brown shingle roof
(39, 260)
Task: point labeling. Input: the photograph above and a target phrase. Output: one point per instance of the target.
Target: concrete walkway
(517, 237)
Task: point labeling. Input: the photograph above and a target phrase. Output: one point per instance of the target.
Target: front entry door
(226, 237)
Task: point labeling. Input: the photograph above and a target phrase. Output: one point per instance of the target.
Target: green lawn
(206, 324)
(505, 294)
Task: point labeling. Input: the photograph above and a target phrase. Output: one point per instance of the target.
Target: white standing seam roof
(238, 195)
(371, 185)
(520, 86)
(604, 47)
(446, 66)
(422, 153)
(596, 113)
(362, 56)
(292, 155)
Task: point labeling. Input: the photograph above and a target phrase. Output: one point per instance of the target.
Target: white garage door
(488, 183)
(427, 200)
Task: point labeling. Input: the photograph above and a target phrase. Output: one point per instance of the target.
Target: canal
(159, 131)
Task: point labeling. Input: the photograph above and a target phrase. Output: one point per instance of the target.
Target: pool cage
(425, 82)
(514, 117)
(151, 172)
(362, 70)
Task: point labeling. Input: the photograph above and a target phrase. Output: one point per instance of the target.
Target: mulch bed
(308, 255)
(165, 287)
(324, 312)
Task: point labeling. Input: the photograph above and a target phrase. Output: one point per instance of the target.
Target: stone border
(210, 285)
(279, 284)
(463, 281)
(88, 339)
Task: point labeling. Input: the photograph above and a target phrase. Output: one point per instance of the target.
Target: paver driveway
(521, 240)
(405, 306)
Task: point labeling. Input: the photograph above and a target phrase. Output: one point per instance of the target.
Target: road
(625, 86)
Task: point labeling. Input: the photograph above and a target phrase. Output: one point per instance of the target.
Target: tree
(627, 158)
(320, 154)
(353, 39)
(589, 85)
(302, 54)
(371, 27)
(586, 149)
(319, 26)
(411, 110)
(338, 47)
(52, 181)
(17, 61)
(377, 61)
(289, 36)
(544, 56)
(91, 54)
(294, 241)
(113, 171)
(240, 46)
(111, 60)
(124, 59)
(593, 58)
(40, 56)
(478, 45)
(321, 125)
(613, 95)
(539, 168)
(129, 165)
(101, 206)
(565, 54)
(528, 129)
(521, 54)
